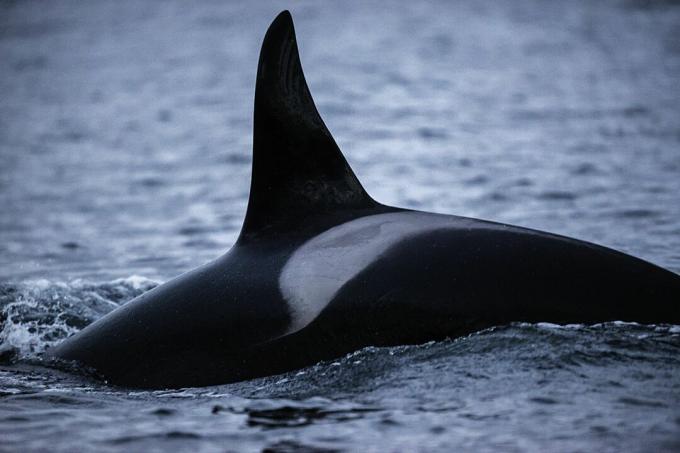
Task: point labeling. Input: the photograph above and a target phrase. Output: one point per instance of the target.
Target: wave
(37, 314)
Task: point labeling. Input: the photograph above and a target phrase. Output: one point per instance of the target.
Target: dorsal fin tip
(283, 18)
(298, 169)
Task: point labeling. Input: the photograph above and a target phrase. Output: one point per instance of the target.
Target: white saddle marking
(321, 266)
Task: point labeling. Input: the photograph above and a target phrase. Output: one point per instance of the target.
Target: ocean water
(125, 136)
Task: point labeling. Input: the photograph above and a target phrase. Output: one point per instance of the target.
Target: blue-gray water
(125, 135)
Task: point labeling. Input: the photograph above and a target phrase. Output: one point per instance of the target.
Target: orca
(320, 269)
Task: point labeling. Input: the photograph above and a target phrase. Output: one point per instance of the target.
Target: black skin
(227, 320)
(224, 321)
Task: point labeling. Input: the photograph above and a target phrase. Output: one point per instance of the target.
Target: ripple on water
(637, 213)
(557, 195)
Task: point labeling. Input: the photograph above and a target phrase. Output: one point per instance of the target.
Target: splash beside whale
(321, 269)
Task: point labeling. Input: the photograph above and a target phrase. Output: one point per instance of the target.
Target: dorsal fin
(298, 169)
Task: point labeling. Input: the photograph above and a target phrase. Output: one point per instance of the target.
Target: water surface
(125, 136)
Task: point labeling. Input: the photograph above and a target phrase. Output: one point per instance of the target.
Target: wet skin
(321, 269)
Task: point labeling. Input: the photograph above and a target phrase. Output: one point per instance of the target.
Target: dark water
(125, 160)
